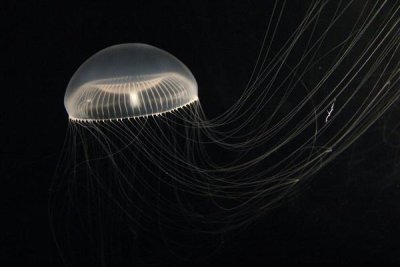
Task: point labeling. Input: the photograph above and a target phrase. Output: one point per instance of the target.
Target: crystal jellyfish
(129, 80)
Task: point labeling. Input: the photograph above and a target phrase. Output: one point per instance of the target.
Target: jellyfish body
(278, 132)
(222, 173)
(129, 80)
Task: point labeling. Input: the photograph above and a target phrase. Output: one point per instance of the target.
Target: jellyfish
(129, 81)
(140, 135)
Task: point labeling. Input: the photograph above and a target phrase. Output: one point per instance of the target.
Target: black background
(348, 215)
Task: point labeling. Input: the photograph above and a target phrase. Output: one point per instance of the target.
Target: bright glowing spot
(135, 102)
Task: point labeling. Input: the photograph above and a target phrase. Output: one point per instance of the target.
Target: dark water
(348, 214)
